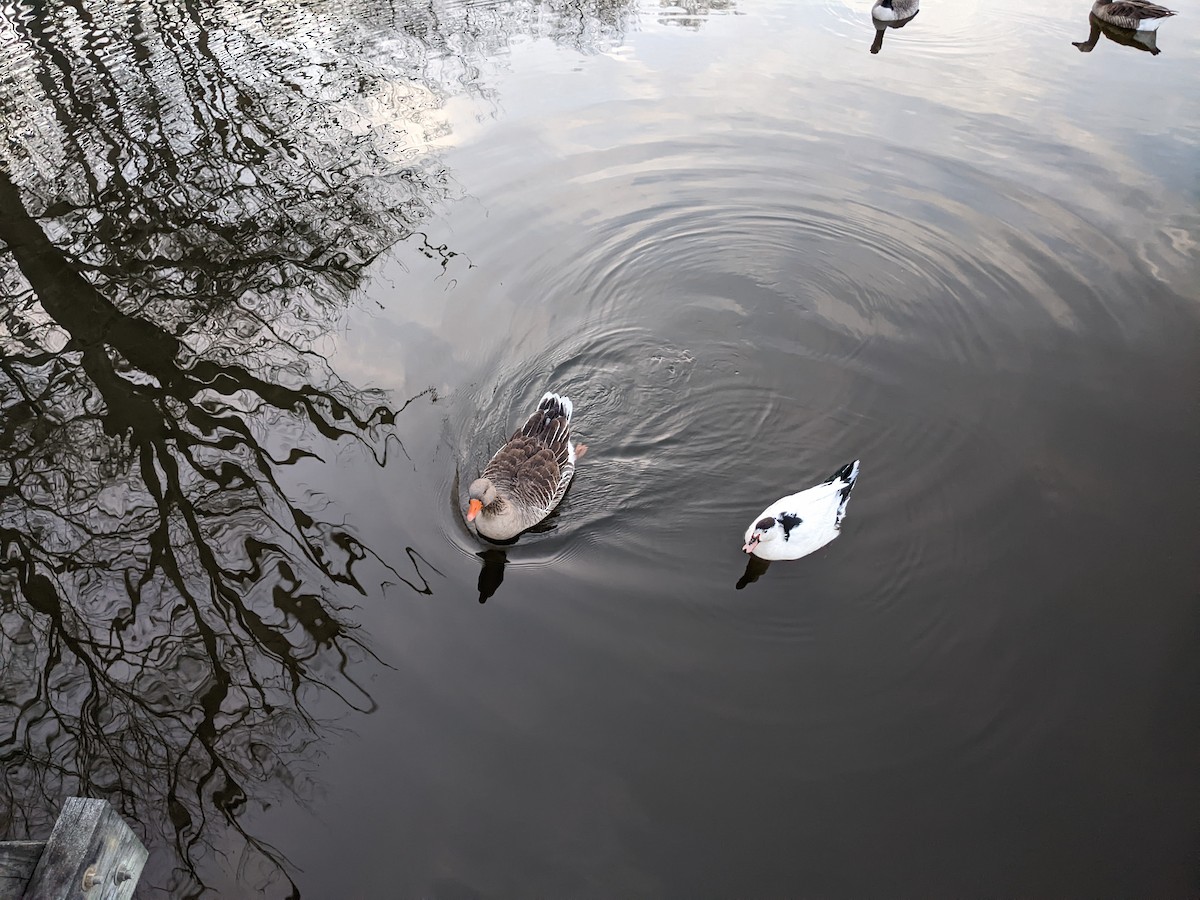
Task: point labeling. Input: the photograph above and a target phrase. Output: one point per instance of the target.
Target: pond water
(277, 280)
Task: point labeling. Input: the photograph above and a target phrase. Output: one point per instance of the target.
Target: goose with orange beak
(527, 477)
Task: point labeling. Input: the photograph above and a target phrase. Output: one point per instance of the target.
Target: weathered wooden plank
(17, 859)
(91, 854)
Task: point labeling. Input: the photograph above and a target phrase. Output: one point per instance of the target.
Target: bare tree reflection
(176, 601)
(189, 195)
(692, 14)
(188, 223)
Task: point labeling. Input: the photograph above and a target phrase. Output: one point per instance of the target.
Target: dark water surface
(276, 281)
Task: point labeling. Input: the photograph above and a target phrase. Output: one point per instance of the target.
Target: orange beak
(473, 510)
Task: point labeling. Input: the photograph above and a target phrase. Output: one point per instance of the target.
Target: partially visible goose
(1136, 15)
(1140, 40)
(891, 14)
(527, 477)
(894, 10)
(798, 524)
(881, 28)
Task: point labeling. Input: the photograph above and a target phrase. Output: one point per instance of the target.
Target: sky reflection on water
(277, 280)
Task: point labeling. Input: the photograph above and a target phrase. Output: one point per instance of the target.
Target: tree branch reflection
(177, 601)
(189, 196)
(171, 261)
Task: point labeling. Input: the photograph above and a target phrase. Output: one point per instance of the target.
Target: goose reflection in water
(1133, 23)
(495, 558)
(492, 574)
(756, 568)
(887, 14)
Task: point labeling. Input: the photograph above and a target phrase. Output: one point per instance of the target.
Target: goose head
(765, 531)
(483, 494)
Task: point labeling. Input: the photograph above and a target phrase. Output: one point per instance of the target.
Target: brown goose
(525, 479)
(1136, 15)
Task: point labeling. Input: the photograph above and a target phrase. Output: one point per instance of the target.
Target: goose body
(1136, 15)
(796, 525)
(894, 10)
(527, 477)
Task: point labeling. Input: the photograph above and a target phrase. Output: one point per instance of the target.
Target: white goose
(527, 477)
(798, 524)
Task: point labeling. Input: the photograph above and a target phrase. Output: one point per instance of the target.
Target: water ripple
(742, 318)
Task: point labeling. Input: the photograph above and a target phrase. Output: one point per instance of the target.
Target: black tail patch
(551, 422)
(553, 407)
(847, 473)
(844, 494)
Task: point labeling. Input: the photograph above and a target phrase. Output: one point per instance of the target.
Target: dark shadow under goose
(491, 576)
(756, 568)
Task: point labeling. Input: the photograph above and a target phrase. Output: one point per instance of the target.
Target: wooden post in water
(91, 855)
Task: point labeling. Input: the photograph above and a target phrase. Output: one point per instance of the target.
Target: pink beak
(749, 546)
